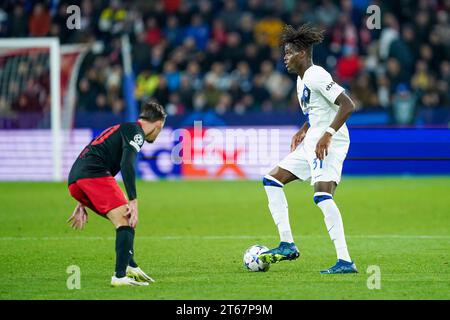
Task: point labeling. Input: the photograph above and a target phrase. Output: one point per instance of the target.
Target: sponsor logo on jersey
(330, 85)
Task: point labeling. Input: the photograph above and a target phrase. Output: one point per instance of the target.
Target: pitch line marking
(223, 237)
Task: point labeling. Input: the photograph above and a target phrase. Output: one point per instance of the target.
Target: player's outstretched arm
(79, 217)
(346, 108)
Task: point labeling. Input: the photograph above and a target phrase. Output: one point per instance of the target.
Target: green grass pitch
(191, 237)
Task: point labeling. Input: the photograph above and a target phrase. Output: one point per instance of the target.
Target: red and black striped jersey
(114, 150)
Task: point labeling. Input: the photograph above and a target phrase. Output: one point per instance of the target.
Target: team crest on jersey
(306, 94)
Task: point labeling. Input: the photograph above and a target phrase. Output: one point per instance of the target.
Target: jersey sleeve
(324, 83)
(132, 138)
(127, 167)
(132, 141)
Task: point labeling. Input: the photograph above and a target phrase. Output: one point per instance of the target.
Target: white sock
(335, 226)
(278, 208)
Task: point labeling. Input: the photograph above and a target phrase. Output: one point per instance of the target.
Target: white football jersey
(317, 93)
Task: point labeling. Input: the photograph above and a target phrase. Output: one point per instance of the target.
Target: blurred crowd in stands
(224, 55)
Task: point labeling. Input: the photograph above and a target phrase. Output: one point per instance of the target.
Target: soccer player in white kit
(318, 149)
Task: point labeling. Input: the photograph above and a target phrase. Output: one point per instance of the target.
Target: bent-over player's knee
(118, 216)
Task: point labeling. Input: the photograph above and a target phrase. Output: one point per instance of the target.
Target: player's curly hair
(152, 111)
(302, 38)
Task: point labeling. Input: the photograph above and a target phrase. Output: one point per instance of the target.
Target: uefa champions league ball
(252, 261)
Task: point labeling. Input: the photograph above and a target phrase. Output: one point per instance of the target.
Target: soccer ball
(251, 259)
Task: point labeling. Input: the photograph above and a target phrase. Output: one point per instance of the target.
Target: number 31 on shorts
(315, 163)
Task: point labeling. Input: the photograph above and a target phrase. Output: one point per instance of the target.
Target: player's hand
(322, 146)
(297, 139)
(79, 217)
(132, 213)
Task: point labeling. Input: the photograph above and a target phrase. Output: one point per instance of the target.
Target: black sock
(132, 263)
(124, 247)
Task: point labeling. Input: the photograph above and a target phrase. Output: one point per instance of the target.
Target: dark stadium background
(219, 62)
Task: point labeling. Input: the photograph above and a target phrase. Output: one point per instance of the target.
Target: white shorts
(304, 164)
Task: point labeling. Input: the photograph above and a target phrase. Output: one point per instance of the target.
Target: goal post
(52, 43)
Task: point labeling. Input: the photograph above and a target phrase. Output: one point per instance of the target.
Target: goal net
(37, 97)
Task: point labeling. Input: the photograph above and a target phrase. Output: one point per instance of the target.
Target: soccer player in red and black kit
(92, 184)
